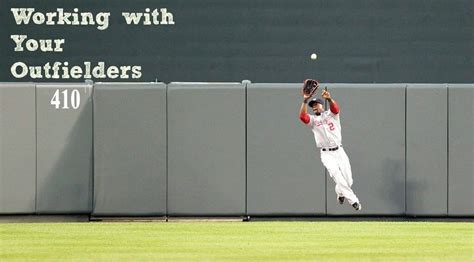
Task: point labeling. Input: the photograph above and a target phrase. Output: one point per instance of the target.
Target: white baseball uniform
(327, 134)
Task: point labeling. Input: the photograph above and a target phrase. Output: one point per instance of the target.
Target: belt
(331, 149)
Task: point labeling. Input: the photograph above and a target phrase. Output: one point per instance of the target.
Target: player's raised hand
(306, 96)
(326, 94)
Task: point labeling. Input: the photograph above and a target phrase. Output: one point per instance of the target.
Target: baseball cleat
(341, 199)
(357, 206)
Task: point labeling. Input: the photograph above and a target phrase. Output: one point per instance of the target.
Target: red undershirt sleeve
(304, 118)
(334, 108)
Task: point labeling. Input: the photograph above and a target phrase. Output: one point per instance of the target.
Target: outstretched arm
(304, 117)
(333, 106)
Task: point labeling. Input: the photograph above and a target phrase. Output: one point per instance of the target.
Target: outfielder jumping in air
(326, 127)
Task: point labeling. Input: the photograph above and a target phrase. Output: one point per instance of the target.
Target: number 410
(74, 97)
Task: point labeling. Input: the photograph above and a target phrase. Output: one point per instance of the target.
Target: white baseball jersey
(326, 128)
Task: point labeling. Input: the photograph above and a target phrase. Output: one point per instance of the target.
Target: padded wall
(130, 149)
(206, 149)
(373, 136)
(64, 148)
(461, 150)
(426, 150)
(17, 148)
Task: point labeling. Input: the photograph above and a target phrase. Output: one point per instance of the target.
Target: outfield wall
(231, 149)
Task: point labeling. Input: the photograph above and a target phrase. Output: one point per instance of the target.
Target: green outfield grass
(189, 241)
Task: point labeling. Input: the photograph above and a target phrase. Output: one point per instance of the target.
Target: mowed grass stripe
(235, 240)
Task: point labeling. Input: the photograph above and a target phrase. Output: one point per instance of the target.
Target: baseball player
(326, 127)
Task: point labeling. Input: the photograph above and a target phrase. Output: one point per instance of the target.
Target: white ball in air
(314, 56)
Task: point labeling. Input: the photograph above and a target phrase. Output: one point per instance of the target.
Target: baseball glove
(310, 86)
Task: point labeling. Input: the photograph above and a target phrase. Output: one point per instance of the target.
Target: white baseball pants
(339, 169)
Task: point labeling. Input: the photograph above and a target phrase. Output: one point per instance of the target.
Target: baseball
(314, 56)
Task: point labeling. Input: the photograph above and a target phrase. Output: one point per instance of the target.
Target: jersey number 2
(331, 126)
